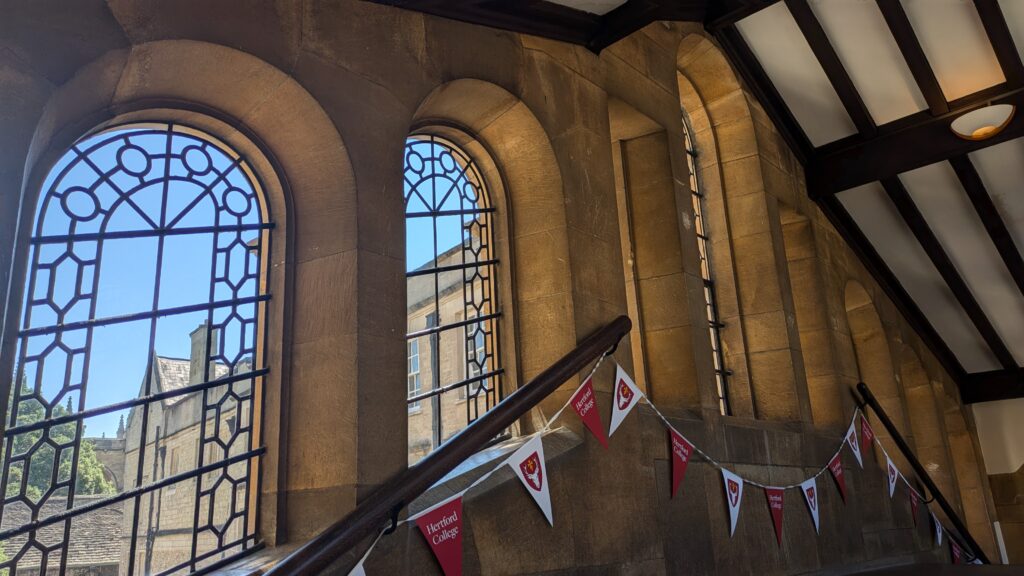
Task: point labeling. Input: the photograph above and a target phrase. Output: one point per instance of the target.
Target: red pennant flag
(913, 504)
(836, 468)
(775, 507)
(867, 435)
(955, 549)
(442, 527)
(681, 452)
(585, 404)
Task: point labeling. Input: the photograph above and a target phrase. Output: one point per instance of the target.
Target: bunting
(681, 451)
(733, 496)
(809, 488)
(528, 465)
(585, 404)
(835, 466)
(442, 524)
(624, 399)
(774, 496)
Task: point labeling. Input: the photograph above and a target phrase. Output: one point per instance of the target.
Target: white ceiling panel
(955, 42)
(877, 217)
(780, 47)
(937, 192)
(868, 51)
(1001, 168)
(593, 6)
(1013, 12)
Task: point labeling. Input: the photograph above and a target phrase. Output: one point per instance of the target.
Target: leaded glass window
(451, 269)
(132, 442)
(711, 306)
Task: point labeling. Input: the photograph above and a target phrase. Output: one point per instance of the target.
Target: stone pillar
(664, 323)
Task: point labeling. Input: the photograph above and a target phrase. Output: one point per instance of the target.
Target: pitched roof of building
(95, 536)
(173, 374)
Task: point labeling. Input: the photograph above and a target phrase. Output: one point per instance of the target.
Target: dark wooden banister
(375, 511)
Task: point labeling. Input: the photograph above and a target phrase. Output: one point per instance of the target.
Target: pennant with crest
(938, 529)
(809, 488)
(528, 464)
(624, 397)
(733, 497)
(851, 439)
(893, 474)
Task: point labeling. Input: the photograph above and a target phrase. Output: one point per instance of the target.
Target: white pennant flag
(809, 488)
(733, 495)
(938, 529)
(851, 439)
(528, 465)
(358, 570)
(625, 396)
(893, 473)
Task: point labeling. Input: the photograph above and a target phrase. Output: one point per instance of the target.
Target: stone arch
(926, 423)
(490, 122)
(874, 358)
(308, 181)
(761, 347)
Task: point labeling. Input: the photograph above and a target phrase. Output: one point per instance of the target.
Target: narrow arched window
(453, 314)
(706, 273)
(132, 437)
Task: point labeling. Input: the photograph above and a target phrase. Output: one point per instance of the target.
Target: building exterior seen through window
(714, 325)
(453, 313)
(130, 436)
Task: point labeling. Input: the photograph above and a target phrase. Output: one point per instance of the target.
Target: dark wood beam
(834, 70)
(906, 144)
(725, 13)
(938, 256)
(875, 266)
(636, 14)
(989, 215)
(1001, 39)
(757, 81)
(910, 47)
(993, 386)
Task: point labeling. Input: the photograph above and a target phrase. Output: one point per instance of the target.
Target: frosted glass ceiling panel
(954, 40)
(869, 54)
(1013, 12)
(1001, 168)
(780, 47)
(876, 216)
(948, 211)
(592, 6)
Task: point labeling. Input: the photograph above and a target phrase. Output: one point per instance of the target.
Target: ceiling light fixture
(984, 122)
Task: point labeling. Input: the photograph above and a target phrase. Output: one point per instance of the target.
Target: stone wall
(321, 96)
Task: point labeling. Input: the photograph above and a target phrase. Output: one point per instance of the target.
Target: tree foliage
(90, 479)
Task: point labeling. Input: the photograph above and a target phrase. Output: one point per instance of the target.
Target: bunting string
(532, 470)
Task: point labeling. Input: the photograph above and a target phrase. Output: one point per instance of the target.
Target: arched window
(453, 314)
(714, 324)
(140, 353)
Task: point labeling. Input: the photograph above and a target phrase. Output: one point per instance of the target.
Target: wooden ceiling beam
(875, 266)
(901, 30)
(636, 14)
(993, 386)
(940, 259)
(756, 80)
(906, 144)
(833, 66)
(989, 215)
(1002, 41)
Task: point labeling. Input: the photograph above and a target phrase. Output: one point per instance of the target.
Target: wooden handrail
(385, 502)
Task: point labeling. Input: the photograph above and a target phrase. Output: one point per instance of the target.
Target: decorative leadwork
(448, 209)
(139, 229)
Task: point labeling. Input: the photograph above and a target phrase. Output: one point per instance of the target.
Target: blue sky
(127, 272)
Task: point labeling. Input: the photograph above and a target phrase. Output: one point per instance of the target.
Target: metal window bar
(126, 138)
